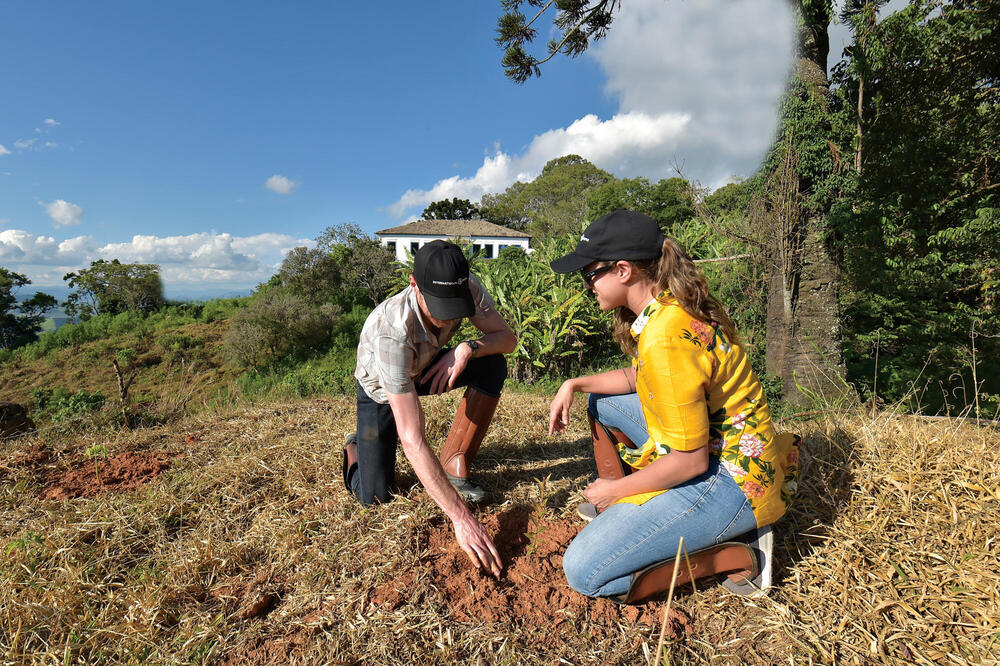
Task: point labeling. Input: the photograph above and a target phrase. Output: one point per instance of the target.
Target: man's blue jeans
(625, 538)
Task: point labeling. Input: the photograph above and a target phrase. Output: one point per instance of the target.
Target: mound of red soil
(126, 471)
(532, 591)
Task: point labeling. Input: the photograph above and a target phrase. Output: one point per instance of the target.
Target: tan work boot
(609, 464)
(472, 419)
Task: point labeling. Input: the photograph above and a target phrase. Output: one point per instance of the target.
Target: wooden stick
(670, 598)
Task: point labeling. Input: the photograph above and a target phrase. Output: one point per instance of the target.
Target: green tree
(364, 262)
(921, 224)
(803, 318)
(111, 287)
(553, 204)
(20, 322)
(451, 209)
(669, 201)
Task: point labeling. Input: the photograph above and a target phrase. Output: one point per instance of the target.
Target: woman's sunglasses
(588, 276)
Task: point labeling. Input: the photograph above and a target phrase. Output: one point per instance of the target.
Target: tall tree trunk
(803, 312)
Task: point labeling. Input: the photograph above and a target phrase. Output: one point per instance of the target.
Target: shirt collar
(651, 308)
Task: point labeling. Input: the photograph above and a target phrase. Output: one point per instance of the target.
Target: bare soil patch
(126, 471)
(532, 591)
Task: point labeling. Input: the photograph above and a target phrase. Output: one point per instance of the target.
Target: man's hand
(443, 374)
(602, 493)
(559, 409)
(476, 543)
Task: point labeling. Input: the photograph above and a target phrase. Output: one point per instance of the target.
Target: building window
(475, 249)
(414, 246)
(489, 250)
(392, 246)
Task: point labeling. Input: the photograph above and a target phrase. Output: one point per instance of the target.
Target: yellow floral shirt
(698, 389)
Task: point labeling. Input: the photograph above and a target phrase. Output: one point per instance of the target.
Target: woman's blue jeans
(625, 538)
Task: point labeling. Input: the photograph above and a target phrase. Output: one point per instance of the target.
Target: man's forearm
(432, 476)
(497, 342)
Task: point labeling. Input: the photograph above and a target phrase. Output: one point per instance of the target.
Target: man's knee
(490, 374)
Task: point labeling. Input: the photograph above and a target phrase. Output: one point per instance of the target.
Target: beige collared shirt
(396, 345)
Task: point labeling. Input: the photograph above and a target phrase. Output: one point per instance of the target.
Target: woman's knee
(581, 569)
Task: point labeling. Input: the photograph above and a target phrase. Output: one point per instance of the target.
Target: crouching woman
(683, 438)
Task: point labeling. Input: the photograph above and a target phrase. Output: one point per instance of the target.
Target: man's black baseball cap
(622, 234)
(442, 273)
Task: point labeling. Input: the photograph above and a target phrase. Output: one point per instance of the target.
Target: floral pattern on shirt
(763, 463)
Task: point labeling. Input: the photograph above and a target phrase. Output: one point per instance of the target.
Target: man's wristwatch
(473, 345)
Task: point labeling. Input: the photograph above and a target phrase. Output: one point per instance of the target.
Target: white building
(487, 238)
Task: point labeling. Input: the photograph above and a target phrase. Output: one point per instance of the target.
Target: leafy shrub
(62, 405)
(277, 324)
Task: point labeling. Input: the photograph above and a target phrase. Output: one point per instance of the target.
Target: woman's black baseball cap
(622, 234)
(441, 271)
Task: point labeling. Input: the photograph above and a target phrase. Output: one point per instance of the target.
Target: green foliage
(576, 24)
(368, 270)
(921, 221)
(277, 324)
(560, 329)
(553, 204)
(62, 405)
(20, 322)
(453, 209)
(111, 287)
(669, 201)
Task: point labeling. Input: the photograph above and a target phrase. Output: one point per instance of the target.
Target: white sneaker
(587, 511)
(762, 542)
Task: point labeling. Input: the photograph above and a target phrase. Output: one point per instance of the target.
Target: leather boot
(609, 464)
(471, 422)
(734, 558)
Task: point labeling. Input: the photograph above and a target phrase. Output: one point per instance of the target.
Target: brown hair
(675, 273)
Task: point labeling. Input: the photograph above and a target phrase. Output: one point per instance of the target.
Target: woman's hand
(602, 493)
(559, 409)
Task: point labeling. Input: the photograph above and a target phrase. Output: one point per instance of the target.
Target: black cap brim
(570, 263)
(450, 308)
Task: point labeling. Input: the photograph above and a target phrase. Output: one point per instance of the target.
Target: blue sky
(210, 138)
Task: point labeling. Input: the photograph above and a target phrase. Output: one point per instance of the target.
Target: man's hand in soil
(477, 545)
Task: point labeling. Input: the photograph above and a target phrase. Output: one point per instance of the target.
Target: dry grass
(891, 556)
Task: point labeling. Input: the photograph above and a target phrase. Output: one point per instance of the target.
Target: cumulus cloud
(697, 85)
(627, 142)
(23, 247)
(24, 144)
(51, 122)
(3, 151)
(202, 260)
(63, 213)
(207, 256)
(280, 184)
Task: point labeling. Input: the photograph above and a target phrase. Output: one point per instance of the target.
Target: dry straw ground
(247, 549)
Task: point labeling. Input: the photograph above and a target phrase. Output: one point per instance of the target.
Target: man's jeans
(625, 538)
(374, 478)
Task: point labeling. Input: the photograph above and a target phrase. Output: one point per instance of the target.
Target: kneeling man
(402, 355)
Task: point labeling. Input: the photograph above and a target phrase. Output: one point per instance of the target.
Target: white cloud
(208, 259)
(208, 256)
(23, 247)
(3, 151)
(52, 122)
(627, 142)
(697, 85)
(51, 144)
(24, 144)
(63, 213)
(280, 184)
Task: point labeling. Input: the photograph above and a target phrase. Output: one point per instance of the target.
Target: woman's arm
(613, 382)
(665, 472)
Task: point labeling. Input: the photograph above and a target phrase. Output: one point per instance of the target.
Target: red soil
(532, 591)
(126, 471)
